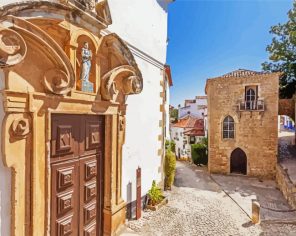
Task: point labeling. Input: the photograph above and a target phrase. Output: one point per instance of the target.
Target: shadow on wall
(129, 199)
(164, 4)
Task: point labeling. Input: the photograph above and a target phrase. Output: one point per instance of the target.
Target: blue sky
(208, 38)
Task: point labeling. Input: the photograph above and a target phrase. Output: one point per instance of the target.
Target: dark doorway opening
(238, 162)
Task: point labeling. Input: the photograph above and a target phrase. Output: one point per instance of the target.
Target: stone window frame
(229, 131)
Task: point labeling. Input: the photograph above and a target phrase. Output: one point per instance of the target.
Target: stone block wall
(255, 132)
(286, 186)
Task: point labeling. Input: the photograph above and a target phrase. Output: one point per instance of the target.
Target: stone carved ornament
(88, 4)
(20, 128)
(60, 79)
(121, 79)
(100, 7)
(13, 48)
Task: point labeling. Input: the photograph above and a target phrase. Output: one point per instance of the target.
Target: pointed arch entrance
(238, 162)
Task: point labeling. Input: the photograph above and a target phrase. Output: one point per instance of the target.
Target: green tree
(174, 114)
(282, 54)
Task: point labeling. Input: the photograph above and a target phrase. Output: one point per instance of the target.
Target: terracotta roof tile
(242, 73)
(197, 130)
(186, 122)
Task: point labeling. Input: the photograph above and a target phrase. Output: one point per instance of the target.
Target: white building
(51, 33)
(196, 107)
(188, 130)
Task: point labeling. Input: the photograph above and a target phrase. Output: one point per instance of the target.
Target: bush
(170, 146)
(173, 146)
(155, 194)
(169, 169)
(199, 154)
(167, 145)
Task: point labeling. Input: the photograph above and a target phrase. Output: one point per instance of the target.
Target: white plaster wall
(194, 109)
(167, 111)
(5, 180)
(142, 130)
(178, 140)
(142, 23)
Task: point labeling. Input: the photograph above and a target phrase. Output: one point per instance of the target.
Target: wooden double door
(76, 174)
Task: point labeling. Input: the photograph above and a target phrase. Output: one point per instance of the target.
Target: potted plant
(155, 197)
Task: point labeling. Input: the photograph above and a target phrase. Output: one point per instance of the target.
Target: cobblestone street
(287, 153)
(198, 206)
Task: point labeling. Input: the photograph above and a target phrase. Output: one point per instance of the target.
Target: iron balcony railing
(256, 105)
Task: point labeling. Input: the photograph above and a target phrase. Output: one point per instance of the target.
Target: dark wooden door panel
(64, 213)
(76, 170)
(64, 137)
(92, 133)
(88, 189)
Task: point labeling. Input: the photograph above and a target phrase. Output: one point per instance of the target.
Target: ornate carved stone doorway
(41, 67)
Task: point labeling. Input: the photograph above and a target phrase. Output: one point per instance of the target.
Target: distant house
(196, 107)
(242, 123)
(187, 131)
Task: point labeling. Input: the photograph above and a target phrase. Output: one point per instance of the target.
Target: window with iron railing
(251, 101)
(256, 105)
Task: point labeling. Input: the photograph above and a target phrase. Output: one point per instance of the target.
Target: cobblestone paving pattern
(201, 209)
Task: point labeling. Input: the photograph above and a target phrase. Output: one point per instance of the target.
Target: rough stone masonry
(255, 130)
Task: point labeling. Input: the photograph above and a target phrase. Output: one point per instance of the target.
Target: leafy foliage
(199, 153)
(174, 114)
(155, 194)
(282, 54)
(170, 146)
(173, 146)
(169, 169)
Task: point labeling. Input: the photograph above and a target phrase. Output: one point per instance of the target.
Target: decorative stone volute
(122, 79)
(60, 79)
(13, 48)
(20, 128)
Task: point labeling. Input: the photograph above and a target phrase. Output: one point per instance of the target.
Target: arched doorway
(238, 162)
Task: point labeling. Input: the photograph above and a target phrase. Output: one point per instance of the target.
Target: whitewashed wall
(167, 110)
(178, 136)
(5, 181)
(143, 24)
(193, 108)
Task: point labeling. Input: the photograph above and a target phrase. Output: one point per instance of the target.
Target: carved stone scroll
(16, 155)
(56, 81)
(13, 48)
(61, 78)
(20, 128)
(122, 79)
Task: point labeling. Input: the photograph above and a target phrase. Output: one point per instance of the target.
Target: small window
(192, 139)
(228, 127)
(250, 94)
